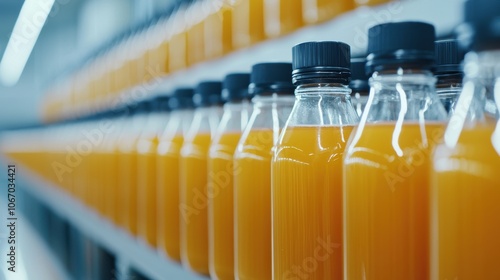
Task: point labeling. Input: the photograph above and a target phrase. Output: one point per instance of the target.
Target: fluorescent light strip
(24, 36)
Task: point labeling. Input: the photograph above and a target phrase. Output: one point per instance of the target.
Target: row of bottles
(191, 32)
(255, 183)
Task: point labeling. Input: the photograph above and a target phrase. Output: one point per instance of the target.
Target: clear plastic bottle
(271, 84)
(317, 11)
(307, 164)
(127, 165)
(248, 23)
(167, 171)
(448, 71)
(113, 127)
(177, 46)
(147, 145)
(219, 28)
(386, 164)
(196, 14)
(465, 191)
(359, 84)
(282, 17)
(237, 111)
(193, 176)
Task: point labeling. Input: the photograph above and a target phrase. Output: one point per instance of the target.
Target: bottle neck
(273, 99)
(447, 81)
(404, 94)
(326, 89)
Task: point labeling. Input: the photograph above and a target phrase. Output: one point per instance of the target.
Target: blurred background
(73, 30)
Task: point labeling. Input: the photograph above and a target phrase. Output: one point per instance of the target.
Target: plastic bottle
(113, 128)
(465, 191)
(147, 145)
(307, 164)
(271, 84)
(386, 173)
(248, 23)
(359, 84)
(219, 29)
(193, 176)
(167, 171)
(282, 17)
(196, 14)
(237, 111)
(317, 11)
(177, 46)
(127, 166)
(448, 72)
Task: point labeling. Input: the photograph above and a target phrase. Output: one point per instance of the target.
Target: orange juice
(146, 191)
(386, 195)
(127, 195)
(252, 184)
(218, 32)
(111, 187)
(220, 187)
(177, 52)
(167, 174)
(193, 206)
(248, 23)
(307, 189)
(465, 205)
(315, 11)
(282, 16)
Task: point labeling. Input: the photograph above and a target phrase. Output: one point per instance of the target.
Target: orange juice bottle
(127, 166)
(448, 71)
(167, 172)
(177, 46)
(316, 11)
(386, 164)
(193, 177)
(307, 165)
(465, 189)
(359, 84)
(282, 17)
(147, 145)
(112, 127)
(220, 175)
(271, 83)
(218, 29)
(195, 32)
(248, 23)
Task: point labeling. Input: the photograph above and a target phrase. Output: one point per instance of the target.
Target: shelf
(350, 28)
(128, 251)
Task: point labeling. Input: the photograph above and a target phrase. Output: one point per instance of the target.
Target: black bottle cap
(359, 78)
(236, 87)
(208, 93)
(273, 77)
(400, 44)
(321, 62)
(449, 56)
(142, 107)
(163, 103)
(181, 99)
(482, 28)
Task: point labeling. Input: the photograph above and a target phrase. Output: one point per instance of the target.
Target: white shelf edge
(121, 244)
